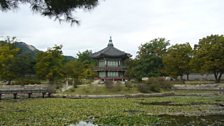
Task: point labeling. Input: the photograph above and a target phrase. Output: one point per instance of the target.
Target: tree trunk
(66, 82)
(215, 74)
(187, 76)
(218, 76)
(181, 78)
(9, 82)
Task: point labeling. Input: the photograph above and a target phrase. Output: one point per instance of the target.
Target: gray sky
(129, 22)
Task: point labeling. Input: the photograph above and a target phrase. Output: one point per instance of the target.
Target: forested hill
(26, 49)
(31, 51)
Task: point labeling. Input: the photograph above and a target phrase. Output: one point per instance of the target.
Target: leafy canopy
(177, 60)
(88, 64)
(149, 59)
(7, 61)
(209, 55)
(49, 64)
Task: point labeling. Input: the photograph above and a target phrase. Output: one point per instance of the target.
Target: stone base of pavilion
(112, 79)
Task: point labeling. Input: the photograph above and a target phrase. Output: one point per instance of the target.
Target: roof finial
(110, 42)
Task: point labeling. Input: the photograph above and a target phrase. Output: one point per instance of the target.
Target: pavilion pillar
(29, 95)
(49, 94)
(15, 95)
(43, 94)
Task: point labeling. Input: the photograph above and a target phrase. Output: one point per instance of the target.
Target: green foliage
(154, 84)
(49, 64)
(156, 47)
(78, 70)
(21, 61)
(85, 57)
(129, 84)
(7, 61)
(122, 111)
(82, 68)
(149, 59)
(73, 69)
(133, 69)
(209, 55)
(88, 64)
(114, 86)
(61, 10)
(109, 84)
(24, 66)
(90, 89)
(24, 81)
(177, 60)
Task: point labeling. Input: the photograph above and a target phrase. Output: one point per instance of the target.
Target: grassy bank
(175, 110)
(101, 90)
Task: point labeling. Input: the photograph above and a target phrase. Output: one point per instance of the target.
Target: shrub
(109, 84)
(114, 86)
(144, 88)
(26, 82)
(117, 87)
(129, 85)
(154, 84)
(77, 82)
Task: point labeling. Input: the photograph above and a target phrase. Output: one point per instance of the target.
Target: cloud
(130, 23)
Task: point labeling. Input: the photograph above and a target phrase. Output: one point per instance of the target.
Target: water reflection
(83, 123)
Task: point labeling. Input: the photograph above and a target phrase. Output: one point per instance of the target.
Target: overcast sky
(129, 22)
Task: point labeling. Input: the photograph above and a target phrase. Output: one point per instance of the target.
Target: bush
(117, 87)
(144, 88)
(114, 86)
(129, 85)
(154, 84)
(26, 82)
(109, 84)
(77, 82)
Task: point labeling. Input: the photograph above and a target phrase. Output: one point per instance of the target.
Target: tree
(177, 60)
(88, 64)
(150, 57)
(209, 55)
(61, 10)
(133, 69)
(49, 64)
(24, 65)
(7, 60)
(85, 57)
(73, 69)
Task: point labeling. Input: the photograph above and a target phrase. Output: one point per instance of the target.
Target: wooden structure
(29, 92)
(110, 63)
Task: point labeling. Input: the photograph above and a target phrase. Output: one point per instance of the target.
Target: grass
(179, 110)
(101, 90)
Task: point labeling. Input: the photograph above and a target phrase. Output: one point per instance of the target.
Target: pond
(83, 123)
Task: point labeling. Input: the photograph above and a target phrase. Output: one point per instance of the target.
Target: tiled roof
(110, 51)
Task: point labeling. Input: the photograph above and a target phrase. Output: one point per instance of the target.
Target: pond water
(83, 123)
(167, 120)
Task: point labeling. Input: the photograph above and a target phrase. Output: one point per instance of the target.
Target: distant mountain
(26, 49)
(32, 51)
(68, 58)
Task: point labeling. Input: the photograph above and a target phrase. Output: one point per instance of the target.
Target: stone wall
(197, 76)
